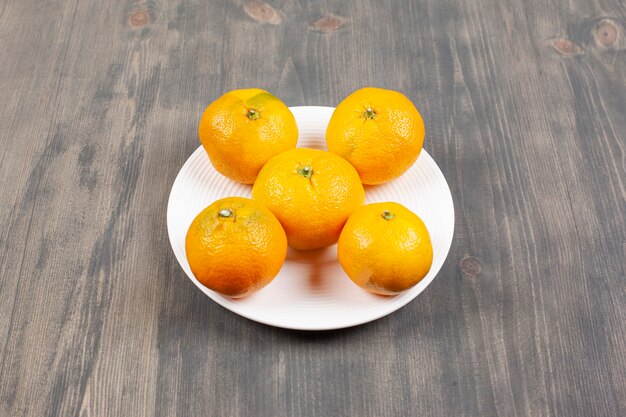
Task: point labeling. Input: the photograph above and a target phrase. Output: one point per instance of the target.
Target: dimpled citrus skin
(380, 132)
(385, 256)
(238, 254)
(243, 129)
(312, 210)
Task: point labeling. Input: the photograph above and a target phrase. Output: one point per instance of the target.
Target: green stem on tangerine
(387, 215)
(369, 113)
(253, 114)
(306, 171)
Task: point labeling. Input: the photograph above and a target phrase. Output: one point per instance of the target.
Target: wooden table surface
(525, 109)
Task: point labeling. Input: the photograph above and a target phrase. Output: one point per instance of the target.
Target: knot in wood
(262, 12)
(566, 47)
(605, 33)
(470, 266)
(139, 18)
(327, 24)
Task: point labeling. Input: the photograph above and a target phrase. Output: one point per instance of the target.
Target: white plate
(311, 292)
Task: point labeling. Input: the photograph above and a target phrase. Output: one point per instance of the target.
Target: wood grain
(525, 109)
